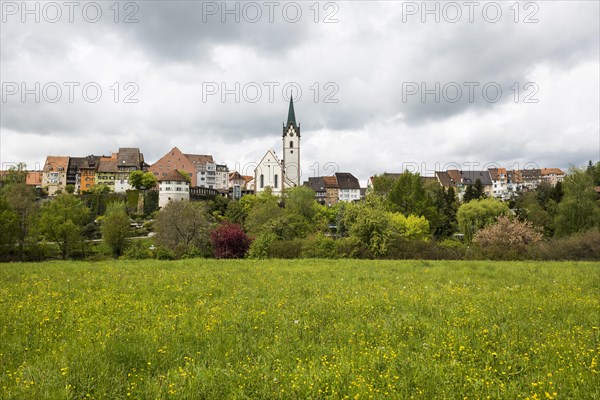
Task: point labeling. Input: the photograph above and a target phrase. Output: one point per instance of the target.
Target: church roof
(291, 119)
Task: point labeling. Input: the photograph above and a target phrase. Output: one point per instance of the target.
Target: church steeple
(291, 149)
(291, 115)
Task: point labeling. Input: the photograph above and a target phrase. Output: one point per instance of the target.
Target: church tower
(291, 149)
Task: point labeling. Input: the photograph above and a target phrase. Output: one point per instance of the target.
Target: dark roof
(130, 157)
(316, 184)
(346, 180)
(173, 175)
(470, 177)
(455, 177)
(444, 178)
(76, 162)
(531, 174)
(107, 165)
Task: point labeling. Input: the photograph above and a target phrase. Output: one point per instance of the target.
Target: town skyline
(378, 86)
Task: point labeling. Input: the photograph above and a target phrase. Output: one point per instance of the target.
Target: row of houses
(341, 186)
(497, 182)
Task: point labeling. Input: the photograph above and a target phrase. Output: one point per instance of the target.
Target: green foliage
(142, 180)
(288, 226)
(407, 195)
(61, 221)
(137, 250)
(320, 246)
(150, 202)
(593, 170)
(285, 249)
(217, 207)
(16, 174)
(132, 198)
(300, 200)
(264, 209)
(9, 230)
(578, 211)
(382, 184)
(21, 200)
(115, 228)
(259, 249)
(477, 214)
(583, 246)
(409, 228)
(446, 204)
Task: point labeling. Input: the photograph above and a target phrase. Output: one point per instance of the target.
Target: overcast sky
(379, 86)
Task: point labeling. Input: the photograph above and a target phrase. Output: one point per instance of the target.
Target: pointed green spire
(291, 115)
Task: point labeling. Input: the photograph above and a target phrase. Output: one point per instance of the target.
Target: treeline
(399, 218)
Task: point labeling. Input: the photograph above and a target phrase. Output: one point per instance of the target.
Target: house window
(276, 184)
(262, 181)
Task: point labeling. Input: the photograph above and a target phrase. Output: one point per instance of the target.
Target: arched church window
(276, 184)
(262, 181)
(291, 143)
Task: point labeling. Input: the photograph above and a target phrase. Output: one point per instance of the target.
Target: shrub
(584, 247)
(352, 247)
(507, 239)
(286, 248)
(137, 250)
(164, 254)
(259, 248)
(229, 241)
(319, 246)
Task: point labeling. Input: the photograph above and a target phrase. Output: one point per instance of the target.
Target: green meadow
(340, 329)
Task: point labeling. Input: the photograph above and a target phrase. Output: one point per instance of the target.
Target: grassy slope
(242, 329)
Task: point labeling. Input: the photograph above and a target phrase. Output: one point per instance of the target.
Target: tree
(264, 208)
(407, 195)
(594, 171)
(115, 228)
(470, 194)
(382, 184)
(446, 205)
(300, 200)
(229, 241)
(479, 189)
(528, 208)
(477, 214)
(183, 227)
(578, 211)
(9, 228)
(20, 198)
(474, 192)
(409, 228)
(140, 179)
(62, 220)
(16, 174)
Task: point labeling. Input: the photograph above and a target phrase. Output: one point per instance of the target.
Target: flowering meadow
(341, 329)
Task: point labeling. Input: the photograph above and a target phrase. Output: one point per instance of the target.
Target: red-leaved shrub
(229, 241)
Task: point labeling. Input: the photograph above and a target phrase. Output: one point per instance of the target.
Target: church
(271, 172)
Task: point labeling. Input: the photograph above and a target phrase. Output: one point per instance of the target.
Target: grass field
(208, 329)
